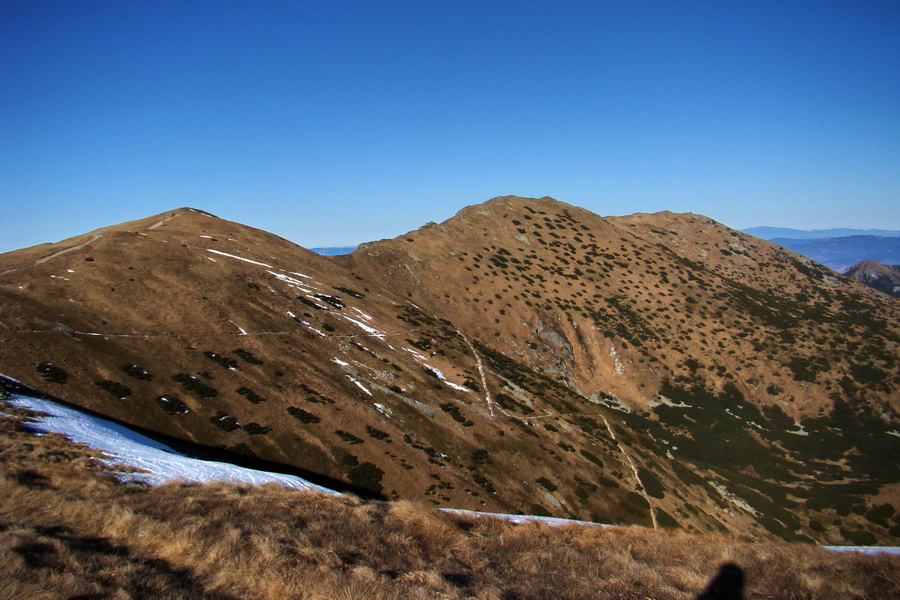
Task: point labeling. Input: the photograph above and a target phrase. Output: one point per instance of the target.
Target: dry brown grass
(67, 530)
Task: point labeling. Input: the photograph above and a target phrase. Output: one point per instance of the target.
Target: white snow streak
(240, 258)
(124, 446)
(370, 330)
(359, 385)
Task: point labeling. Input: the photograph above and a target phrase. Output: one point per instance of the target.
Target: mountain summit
(525, 355)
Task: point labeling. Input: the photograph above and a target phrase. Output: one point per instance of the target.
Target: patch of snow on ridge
(300, 285)
(125, 446)
(240, 258)
(438, 373)
(359, 385)
(456, 386)
(368, 329)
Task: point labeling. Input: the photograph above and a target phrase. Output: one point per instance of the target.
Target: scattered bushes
(303, 416)
(348, 291)
(453, 411)
(256, 429)
(137, 372)
(52, 373)
(348, 437)
(247, 356)
(224, 361)
(114, 387)
(377, 433)
(250, 395)
(172, 404)
(332, 300)
(192, 384)
(224, 421)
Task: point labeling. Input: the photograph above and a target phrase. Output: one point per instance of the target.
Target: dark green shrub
(250, 395)
(377, 433)
(224, 361)
(172, 404)
(637, 500)
(509, 403)
(367, 476)
(247, 356)
(481, 457)
(859, 537)
(348, 437)
(591, 457)
(114, 387)
(256, 429)
(546, 484)
(332, 300)
(453, 411)
(484, 482)
(666, 520)
(52, 373)
(867, 373)
(880, 513)
(310, 303)
(652, 484)
(192, 384)
(348, 291)
(302, 415)
(137, 372)
(224, 421)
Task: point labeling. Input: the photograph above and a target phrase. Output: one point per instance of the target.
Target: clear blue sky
(332, 123)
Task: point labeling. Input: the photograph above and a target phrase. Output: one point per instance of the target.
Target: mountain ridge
(587, 389)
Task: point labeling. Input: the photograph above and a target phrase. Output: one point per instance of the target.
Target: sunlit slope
(536, 390)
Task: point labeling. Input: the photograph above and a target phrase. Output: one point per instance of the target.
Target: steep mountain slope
(885, 278)
(526, 355)
(619, 305)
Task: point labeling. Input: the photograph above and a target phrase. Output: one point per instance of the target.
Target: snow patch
(359, 385)
(240, 258)
(124, 446)
(456, 386)
(370, 330)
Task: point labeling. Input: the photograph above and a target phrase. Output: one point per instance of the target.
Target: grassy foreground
(69, 530)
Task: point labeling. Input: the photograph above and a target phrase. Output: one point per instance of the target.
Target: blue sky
(331, 123)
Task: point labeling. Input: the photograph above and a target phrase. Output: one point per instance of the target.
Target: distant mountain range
(837, 249)
(772, 233)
